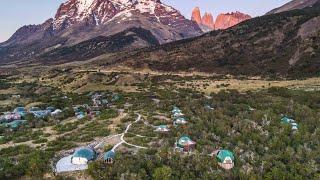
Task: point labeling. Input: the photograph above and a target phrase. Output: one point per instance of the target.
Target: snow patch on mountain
(84, 5)
(145, 6)
(97, 12)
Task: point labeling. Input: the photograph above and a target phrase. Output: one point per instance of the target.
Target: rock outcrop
(196, 15)
(227, 20)
(207, 20)
(223, 21)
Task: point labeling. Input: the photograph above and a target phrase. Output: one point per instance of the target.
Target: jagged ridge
(223, 21)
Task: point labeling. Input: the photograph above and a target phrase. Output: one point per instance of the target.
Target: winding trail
(124, 133)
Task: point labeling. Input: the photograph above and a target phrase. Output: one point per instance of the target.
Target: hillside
(285, 44)
(126, 40)
(122, 111)
(294, 4)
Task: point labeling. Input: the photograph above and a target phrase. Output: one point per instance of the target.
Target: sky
(17, 13)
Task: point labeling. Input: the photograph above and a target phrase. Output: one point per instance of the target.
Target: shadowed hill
(294, 4)
(126, 40)
(285, 44)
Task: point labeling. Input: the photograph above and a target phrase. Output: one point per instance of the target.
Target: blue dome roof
(223, 154)
(85, 152)
(109, 154)
(20, 109)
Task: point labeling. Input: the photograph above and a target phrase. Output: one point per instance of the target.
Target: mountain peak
(95, 12)
(223, 21)
(227, 20)
(207, 19)
(77, 21)
(196, 15)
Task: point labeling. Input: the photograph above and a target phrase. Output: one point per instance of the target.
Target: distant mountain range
(77, 21)
(223, 21)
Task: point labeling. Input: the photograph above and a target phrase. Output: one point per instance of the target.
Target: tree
(37, 163)
(162, 173)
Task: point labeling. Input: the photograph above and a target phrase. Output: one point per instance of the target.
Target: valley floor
(240, 114)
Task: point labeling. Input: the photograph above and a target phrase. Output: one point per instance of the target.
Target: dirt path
(124, 133)
(118, 139)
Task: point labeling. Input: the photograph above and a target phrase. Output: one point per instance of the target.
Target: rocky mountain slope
(126, 40)
(223, 21)
(283, 44)
(77, 21)
(295, 4)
